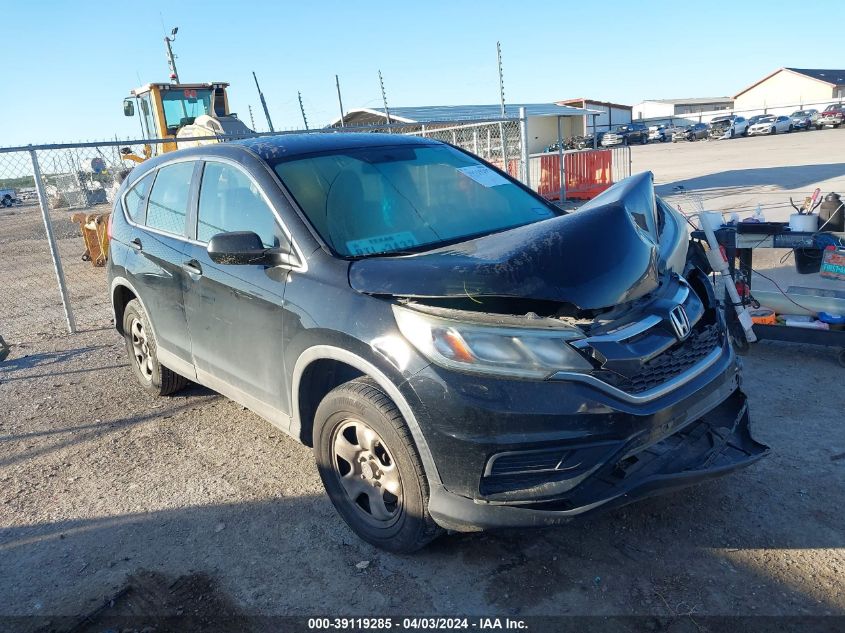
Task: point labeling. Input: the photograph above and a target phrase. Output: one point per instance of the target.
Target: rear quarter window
(135, 201)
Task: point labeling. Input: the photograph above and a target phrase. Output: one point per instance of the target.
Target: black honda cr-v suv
(459, 353)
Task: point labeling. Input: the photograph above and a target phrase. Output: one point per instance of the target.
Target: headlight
(520, 352)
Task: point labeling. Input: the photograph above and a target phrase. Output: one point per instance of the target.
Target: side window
(136, 199)
(169, 198)
(229, 201)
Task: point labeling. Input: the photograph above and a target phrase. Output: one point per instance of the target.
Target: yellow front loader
(183, 112)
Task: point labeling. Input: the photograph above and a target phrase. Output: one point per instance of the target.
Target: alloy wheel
(367, 472)
(141, 349)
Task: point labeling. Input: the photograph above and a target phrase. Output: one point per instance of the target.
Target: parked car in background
(459, 353)
(804, 119)
(659, 133)
(728, 126)
(755, 119)
(771, 124)
(693, 132)
(626, 135)
(834, 115)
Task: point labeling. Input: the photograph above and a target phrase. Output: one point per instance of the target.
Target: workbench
(739, 246)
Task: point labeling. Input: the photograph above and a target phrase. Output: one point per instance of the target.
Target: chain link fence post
(51, 240)
(523, 146)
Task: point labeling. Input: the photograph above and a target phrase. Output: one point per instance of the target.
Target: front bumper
(829, 121)
(709, 446)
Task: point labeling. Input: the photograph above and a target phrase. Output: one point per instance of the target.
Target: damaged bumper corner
(713, 445)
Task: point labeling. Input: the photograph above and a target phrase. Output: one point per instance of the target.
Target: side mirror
(128, 107)
(245, 247)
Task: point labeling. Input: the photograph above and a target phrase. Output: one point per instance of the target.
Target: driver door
(235, 312)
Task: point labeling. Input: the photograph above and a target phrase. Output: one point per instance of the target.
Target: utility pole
(384, 98)
(263, 103)
(502, 136)
(171, 58)
(501, 78)
(302, 109)
(339, 100)
(251, 120)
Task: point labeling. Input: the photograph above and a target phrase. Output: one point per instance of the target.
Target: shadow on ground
(740, 181)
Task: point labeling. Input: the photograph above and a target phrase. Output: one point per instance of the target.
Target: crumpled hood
(596, 257)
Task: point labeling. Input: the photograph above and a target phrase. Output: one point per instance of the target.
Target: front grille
(671, 363)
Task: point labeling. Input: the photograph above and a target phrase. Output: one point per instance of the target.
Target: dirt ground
(115, 503)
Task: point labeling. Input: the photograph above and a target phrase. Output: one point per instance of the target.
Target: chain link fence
(54, 201)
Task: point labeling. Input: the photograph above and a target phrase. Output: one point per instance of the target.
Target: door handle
(136, 244)
(192, 267)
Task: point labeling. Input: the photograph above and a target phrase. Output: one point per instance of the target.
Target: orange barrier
(587, 174)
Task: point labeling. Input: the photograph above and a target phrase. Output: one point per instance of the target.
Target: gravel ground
(100, 482)
(193, 505)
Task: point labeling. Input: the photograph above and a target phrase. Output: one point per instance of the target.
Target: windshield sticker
(484, 176)
(382, 243)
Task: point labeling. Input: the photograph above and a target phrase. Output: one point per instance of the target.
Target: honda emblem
(680, 322)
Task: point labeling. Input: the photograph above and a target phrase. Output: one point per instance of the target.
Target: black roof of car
(288, 145)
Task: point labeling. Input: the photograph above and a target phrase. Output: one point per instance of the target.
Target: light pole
(171, 58)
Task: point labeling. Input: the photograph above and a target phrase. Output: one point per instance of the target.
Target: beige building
(792, 87)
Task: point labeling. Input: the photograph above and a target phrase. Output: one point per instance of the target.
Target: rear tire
(141, 348)
(371, 469)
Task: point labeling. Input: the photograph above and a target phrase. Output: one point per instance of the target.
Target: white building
(667, 108)
(792, 88)
(611, 115)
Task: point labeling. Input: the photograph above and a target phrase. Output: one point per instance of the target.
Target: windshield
(766, 119)
(387, 199)
(181, 107)
(800, 113)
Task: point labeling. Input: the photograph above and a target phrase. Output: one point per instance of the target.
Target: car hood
(593, 258)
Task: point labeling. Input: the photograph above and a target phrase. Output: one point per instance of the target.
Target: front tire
(371, 469)
(141, 348)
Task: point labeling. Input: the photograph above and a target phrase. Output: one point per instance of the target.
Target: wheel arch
(321, 368)
(122, 292)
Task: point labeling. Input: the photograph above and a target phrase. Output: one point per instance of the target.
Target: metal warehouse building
(793, 87)
(668, 108)
(542, 118)
(611, 115)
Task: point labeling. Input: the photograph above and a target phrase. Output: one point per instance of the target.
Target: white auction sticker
(382, 243)
(483, 175)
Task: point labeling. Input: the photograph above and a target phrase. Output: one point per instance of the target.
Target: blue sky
(66, 66)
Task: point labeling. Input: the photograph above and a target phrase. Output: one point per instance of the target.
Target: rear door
(154, 261)
(234, 312)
